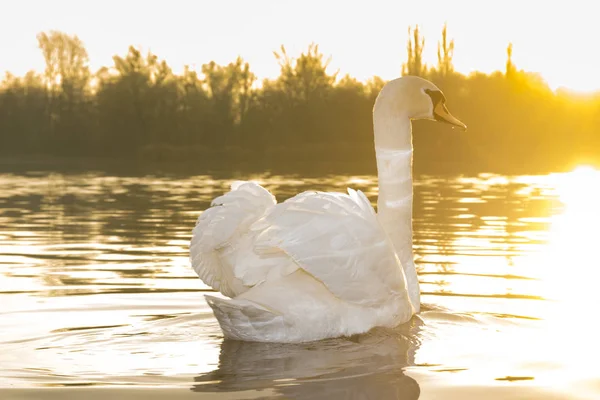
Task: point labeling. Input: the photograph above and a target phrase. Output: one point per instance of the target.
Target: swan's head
(415, 98)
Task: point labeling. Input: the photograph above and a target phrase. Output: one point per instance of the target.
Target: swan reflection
(368, 366)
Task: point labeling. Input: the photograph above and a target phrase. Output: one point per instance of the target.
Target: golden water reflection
(95, 284)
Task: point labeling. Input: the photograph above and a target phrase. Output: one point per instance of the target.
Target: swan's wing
(336, 238)
(221, 230)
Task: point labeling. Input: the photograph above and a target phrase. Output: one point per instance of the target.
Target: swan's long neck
(394, 152)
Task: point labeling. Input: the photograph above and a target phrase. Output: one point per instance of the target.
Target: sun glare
(573, 272)
(579, 190)
(569, 274)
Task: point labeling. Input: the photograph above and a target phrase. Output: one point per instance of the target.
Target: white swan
(321, 265)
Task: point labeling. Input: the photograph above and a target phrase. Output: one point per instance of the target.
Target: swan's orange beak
(441, 113)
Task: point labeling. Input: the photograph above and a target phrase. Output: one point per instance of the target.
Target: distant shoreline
(302, 163)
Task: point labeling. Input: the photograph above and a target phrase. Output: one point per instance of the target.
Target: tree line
(138, 108)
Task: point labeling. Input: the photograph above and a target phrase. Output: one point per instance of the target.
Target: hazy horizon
(363, 39)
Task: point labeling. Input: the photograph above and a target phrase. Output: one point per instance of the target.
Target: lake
(97, 296)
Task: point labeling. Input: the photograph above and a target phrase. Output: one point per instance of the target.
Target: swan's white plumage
(337, 239)
(219, 231)
(317, 265)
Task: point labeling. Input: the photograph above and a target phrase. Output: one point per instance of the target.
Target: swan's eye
(436, 96)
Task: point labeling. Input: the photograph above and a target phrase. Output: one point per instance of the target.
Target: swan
(321, 265)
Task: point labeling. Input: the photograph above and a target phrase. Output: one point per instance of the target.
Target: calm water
(96, 290)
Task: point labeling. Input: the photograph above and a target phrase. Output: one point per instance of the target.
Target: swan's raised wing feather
(336, 238)
(221, 228)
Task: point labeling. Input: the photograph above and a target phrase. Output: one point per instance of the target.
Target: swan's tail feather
(242, 319)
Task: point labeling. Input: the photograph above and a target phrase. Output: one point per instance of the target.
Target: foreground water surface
(96, 293)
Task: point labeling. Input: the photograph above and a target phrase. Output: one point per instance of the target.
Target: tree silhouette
(230, 92)
(445, 53)
(66, 79)
(414, 64)
(510, 70)
(139, 109)
(23, 114)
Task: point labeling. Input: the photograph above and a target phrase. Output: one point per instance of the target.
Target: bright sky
(364, 38)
